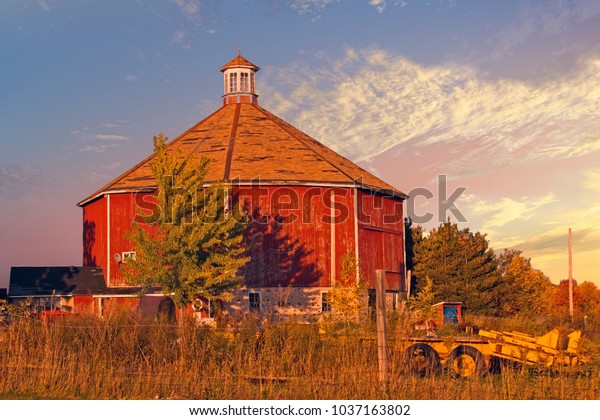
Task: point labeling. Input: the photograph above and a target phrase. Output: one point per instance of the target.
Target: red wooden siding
(83, 304)
(381, 239)
(122, 214)
(290, 234)
(94, 234)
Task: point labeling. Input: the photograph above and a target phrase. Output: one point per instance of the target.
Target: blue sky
(503, 97)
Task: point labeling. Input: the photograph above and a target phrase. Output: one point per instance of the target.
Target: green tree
(460, 264)
(422, 302)
(190, 243)
(348, 294)
(522, 289)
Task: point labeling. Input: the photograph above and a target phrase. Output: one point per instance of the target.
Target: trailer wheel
(422, 360)
(465, 362)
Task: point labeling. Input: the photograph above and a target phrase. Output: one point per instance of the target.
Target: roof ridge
(148, 158)
(232, 138)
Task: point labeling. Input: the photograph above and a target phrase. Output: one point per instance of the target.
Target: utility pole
(382, 345)
(570, 275)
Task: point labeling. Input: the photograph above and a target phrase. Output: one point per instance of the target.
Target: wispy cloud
(18, 180)
(505, 210)
(311, 9)
(97, 142)
(102, 148)
(110, 137)
(190, 9)
(554, 241)
(44, 5)
(368, 102)
(380, 5)
(112, 124)
(545, 18)
(592, 180)
(196, 15)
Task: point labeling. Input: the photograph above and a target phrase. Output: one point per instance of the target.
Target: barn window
(325, 305)
(254, 301)
(128, 255)
(252, 82)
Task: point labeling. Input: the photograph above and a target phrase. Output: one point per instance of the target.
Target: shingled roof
(46, 281)
(240, 61)
(247, 143)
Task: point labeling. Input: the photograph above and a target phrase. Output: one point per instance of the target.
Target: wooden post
(570, 275)
(382, 346)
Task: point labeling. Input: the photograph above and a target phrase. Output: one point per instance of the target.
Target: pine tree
(191, 244)
(422, 302)
(460, 265)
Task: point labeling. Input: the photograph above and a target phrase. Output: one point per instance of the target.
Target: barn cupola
(239, 81)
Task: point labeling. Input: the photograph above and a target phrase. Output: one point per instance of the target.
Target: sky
(501, 99)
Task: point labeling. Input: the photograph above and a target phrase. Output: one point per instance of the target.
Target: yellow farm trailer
(474, 356)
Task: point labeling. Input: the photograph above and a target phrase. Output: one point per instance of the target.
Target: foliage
(523, 289)
(586, 303)
(189, 243)
(347, 295)
(21, 310)
(422, 302)
(460, 265)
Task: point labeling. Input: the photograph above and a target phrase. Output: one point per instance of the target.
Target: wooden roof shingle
(247, 143)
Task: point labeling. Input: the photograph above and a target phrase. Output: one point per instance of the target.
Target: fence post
(382, 343)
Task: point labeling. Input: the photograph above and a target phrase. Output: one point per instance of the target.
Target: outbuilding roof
(59, 281)
(65, 281)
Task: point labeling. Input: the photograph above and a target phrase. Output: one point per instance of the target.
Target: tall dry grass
(122, 358)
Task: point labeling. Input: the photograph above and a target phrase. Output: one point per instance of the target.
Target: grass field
(120, 358)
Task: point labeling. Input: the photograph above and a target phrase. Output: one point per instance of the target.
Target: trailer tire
(466, 362)
(422, 360)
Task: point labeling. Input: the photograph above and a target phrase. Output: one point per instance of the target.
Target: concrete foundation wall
(301, 304)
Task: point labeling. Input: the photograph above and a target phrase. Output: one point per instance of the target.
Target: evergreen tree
(460, 265)
(422, 302)
(190, 243)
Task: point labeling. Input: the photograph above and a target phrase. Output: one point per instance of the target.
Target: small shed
(74, 290)
(67, 289)
(448, 313)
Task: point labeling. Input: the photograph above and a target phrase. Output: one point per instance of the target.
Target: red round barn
(324, 208)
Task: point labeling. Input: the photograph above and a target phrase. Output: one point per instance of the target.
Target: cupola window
(232, 82)
(244, 82)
